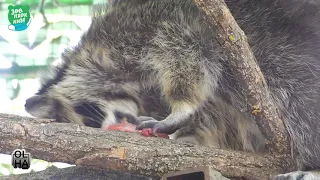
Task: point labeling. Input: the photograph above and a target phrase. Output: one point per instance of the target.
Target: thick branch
(126, 152)
(53, 173)
(243, 63)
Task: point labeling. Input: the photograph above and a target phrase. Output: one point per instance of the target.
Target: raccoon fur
(152, 60)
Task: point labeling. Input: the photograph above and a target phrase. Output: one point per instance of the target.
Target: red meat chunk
(124, 126)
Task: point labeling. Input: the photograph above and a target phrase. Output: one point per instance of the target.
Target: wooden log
(127, 152)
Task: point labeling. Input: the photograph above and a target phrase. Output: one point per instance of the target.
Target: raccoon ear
(39, 106)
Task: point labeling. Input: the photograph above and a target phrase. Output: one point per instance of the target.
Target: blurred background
(55, 24)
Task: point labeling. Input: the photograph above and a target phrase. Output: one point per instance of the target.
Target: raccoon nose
(32, 101)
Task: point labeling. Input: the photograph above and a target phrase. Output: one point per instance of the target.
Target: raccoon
(158, 64)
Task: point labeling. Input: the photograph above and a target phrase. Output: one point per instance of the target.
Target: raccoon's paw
(146, 122)
(298, 175)
(164, 126)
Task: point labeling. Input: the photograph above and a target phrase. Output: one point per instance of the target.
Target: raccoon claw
(157, 126)
(165, 126)
(146, 122)
(297, 175)
(147, 127)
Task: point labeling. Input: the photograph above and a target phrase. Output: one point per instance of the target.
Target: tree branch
(53, 173)
(243, 63)
(127, 152)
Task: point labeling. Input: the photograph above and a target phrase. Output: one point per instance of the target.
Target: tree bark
(243, 63)
(53, 173)
(128, 152)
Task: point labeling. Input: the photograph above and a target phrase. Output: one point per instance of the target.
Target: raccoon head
(78, 91)
(84, 111)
